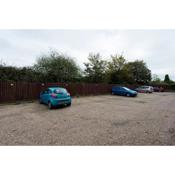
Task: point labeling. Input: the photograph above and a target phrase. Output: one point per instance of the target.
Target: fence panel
(14, 91)
(7, 91)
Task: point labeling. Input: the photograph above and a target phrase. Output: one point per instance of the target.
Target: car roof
(53, 88)
(117, 87)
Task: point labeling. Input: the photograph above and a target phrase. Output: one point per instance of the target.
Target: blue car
(55, 96)
(117, 90)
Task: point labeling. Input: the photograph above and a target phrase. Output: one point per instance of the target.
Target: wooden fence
(16, 91)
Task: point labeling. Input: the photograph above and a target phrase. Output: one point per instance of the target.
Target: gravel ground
(148, 119)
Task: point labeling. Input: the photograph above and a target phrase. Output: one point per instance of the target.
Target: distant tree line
(56, 67)
(166, 81)
(116, 70)
(53, 67)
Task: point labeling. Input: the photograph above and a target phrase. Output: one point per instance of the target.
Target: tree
(56, 67)
(8, 73)
(117, 63)
(139, 71)
(156, 79)
(167, 79)
(27, 74)
(117, 72)
(17, 73)
(95, 68)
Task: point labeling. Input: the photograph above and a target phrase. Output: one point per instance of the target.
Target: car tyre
(50, 105)
(69, 104)
(40, 101)
(128, 95)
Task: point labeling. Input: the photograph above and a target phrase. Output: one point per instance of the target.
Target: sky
(155, 47)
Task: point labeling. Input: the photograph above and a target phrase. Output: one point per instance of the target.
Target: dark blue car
(118, 90)
(55, 96)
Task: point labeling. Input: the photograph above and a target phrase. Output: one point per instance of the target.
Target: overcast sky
(155, 47)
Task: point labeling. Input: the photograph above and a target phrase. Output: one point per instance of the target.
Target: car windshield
(126, 88)
(60, 91)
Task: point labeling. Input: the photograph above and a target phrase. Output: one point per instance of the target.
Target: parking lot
(148, 119)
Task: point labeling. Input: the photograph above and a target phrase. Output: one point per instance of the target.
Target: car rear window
(60, 91)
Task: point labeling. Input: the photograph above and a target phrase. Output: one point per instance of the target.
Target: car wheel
(50, 105)
(112, 93)
(40, 101)
(69, 104)
(128, 95)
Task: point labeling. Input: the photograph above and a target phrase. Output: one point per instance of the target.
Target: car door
(123, 91)
(45, 96)
(42, 96)
(114, 90)
(119, 91)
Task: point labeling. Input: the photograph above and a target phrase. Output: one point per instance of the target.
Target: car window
(60, 91)
(47, 91)
(44, 92)
(125, 88)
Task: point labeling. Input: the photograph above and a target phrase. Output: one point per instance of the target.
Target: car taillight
(54, 95)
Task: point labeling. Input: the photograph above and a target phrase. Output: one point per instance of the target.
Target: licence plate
(62, 102)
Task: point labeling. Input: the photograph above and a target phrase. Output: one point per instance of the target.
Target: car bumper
(64, 101)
